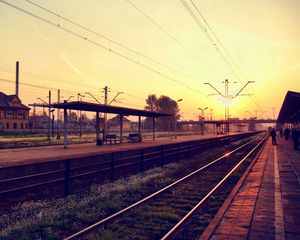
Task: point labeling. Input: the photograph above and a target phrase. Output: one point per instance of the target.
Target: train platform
(265, 202)
(28, 155)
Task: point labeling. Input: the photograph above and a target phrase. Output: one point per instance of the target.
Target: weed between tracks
(58, 218)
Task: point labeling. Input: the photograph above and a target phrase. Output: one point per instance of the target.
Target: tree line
(163, 104)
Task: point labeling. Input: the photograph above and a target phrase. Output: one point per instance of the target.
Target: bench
(134, 137)
(111, 138)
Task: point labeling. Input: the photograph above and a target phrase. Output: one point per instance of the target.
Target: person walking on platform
(281, 132)
(287, 133)
(273, 135)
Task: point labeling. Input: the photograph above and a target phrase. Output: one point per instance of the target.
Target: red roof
(6, 102)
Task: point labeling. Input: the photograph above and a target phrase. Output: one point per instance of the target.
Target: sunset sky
(261, 38)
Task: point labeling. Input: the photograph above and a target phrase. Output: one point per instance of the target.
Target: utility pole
(211, 114)
(79, 114)
(49, 115)
(273, 108)
(227, 97)
(58, 116)
(227, 106)
(105, 95)
(52, 127)
(202, 127)
(33, 119)
(106, 89)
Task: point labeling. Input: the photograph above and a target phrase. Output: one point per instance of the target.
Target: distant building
(13, 114)
(39, 121)
(114, 123)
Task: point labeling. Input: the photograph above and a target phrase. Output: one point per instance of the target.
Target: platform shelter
(99, 108)
(289, 116)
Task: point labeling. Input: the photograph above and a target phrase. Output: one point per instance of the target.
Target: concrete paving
(266, 202)
(20, 156)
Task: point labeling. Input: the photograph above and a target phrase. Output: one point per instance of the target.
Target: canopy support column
(121, 128)
(65, 128)
(153, 128)
(175, 126)
(97, 128)
(140, 131)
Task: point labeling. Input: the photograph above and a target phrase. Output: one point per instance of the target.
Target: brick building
(13, 114)
(114, 123)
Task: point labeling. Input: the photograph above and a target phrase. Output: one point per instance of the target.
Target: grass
(58, 218)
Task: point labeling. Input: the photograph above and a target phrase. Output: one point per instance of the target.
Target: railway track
(74, 175)
(163, 214)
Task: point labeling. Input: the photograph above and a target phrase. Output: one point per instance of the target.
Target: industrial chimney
(17, 78)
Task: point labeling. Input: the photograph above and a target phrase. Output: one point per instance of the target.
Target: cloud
(68, 62)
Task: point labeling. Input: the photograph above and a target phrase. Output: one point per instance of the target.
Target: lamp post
(69, 98)
(43, 102)
(65, 101)
(49, 114)
(79, 114)
(175, 118)
(202, 119)
(52, 129)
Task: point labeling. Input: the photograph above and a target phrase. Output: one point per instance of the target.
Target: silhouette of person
(281, 132)
(273, 135)
(287, 133)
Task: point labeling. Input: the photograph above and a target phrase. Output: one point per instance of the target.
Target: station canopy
(290, 109)
(93, 107)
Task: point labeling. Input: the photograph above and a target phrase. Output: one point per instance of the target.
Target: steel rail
(174, 149)
(111, 217)
(189, 214)
(99, 164)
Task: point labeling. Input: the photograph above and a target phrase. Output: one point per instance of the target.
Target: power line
(207, 34)
(48, 78)
(35, 85)
(224, 53)
(130, 95)
(101, 46)
(65, 91)
(111, 41)
(231, 61)
(60, 80)
(158, 25)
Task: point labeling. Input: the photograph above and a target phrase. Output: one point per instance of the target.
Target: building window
(7, 125)
(22, 125)
(9, 114)
(21, 115)
(26, 125)
(15, 126)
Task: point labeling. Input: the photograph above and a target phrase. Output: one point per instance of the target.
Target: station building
(13, 114)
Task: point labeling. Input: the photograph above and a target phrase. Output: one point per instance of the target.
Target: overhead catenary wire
(36, 86)
(111, 41)
(103, 47)
(225, 51)
(158, 25)
(48, 78)
(215, 41)
(59, 80)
